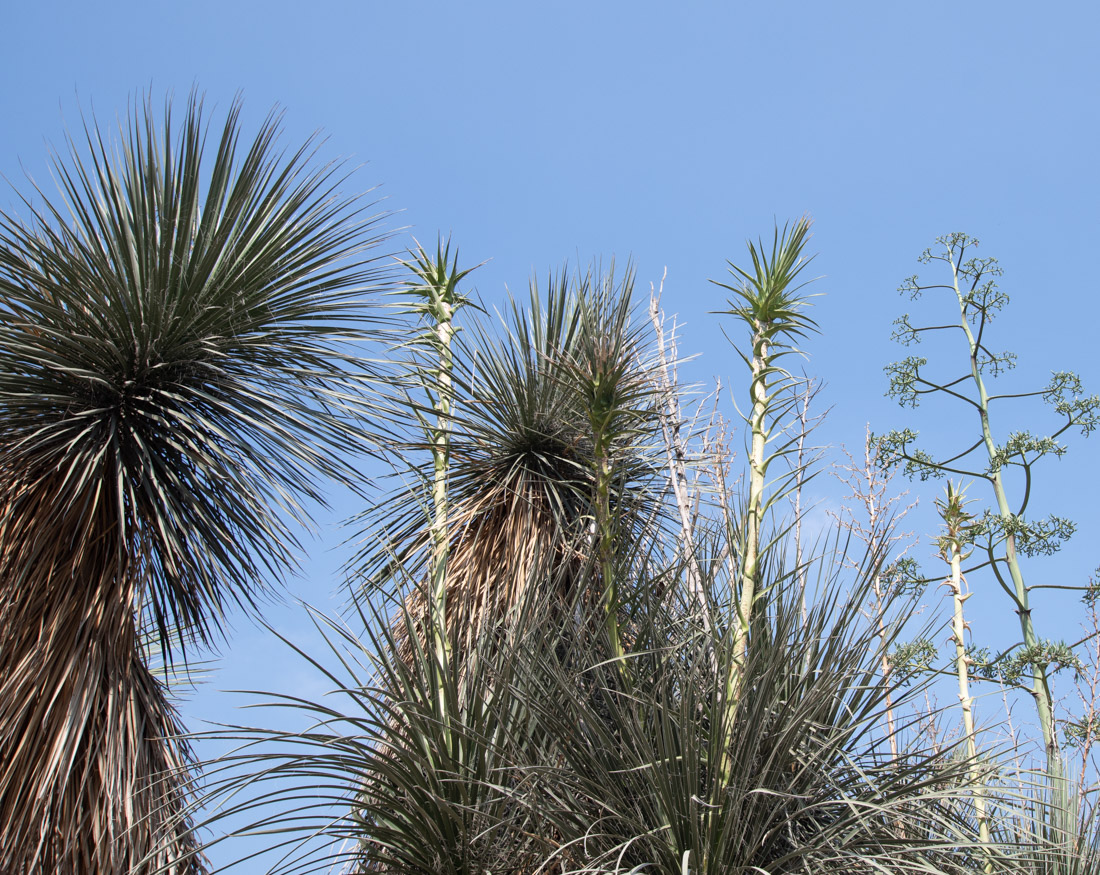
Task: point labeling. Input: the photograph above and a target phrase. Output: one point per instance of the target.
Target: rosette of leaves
(176, 381)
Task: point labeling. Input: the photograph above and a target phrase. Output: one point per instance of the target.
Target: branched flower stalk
(955, 546)
(1005, 532)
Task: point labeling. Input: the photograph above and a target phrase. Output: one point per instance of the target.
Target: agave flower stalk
(1040, 680)
(1006, 532)
(959, 528)
(769, 302)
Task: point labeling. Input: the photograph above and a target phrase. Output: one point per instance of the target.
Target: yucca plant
(553, 740)
(547, 764)
(403, 768)
(175, 376)
(792, 777)
(439, 765)
(545, 429)
(1044, 829)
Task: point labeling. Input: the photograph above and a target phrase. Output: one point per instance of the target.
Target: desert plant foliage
(174, 369)
(578, 637)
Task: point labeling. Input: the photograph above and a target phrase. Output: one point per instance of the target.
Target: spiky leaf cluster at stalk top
(959, 522)
(768, 298)
(432, 295)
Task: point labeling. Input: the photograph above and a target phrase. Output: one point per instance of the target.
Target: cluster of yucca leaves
(581, 719)
(176, 383)
(538, 674)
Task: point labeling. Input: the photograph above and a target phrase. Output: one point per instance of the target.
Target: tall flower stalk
(1005, 531)
(615, 393)
(768, 300)
(955, 546)
(435, 297)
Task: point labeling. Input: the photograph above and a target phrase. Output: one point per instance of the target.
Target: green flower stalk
(616, 393)
(769, 301)
(1005, 532)
(436, 299)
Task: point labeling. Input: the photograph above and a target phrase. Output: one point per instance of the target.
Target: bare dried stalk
(677, 451)
(875, 526)
(718, 465)
(1088, 693)
(805, 424)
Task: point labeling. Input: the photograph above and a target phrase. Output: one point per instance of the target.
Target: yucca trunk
(92, 774)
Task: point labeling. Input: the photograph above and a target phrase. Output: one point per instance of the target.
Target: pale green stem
(605, 534)
(891, 723)
(757, 473)
(750, 561)
(1040, 682)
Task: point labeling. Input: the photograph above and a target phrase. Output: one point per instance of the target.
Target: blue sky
(540, 133)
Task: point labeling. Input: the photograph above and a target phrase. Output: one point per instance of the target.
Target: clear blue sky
(670, 133)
